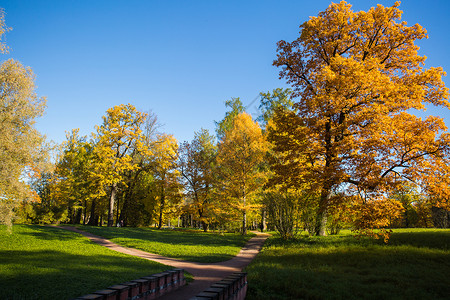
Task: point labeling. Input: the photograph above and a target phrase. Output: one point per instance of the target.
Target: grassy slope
(186, 245)
(49, 263)
(415, 265)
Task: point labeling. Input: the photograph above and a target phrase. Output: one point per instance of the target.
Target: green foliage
(414, 266)
(417, 209)
(139, 199)
(182, 244)
(240, 155)
(270, 102)
(196, 162)
(49, 263)
(284, 212)
(236, 107)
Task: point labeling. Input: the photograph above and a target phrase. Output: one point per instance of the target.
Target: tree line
(339, 148)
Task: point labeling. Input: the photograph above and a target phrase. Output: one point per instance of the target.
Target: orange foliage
(376, 214)
(356, 76)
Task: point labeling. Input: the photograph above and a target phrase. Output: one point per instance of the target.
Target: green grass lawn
(48, 263)
(415, 265)
(182, 244)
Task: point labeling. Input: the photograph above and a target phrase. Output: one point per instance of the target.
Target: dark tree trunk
(78, 213)
(85, 212)
(263, 220)
(205, 226)
(322, 213)
(161, 206)
(93, 219)
(112, 198)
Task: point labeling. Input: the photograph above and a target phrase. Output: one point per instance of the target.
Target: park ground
(47, 263)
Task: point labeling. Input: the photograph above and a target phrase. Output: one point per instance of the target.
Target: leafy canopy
(355, 78)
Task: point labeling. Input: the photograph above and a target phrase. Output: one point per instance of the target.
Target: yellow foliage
(376, 214)
(356, 76)
(240, 153)
(3, 30)
(117, 138)
(20, 143)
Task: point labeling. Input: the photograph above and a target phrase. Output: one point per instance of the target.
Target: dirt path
(204, 274)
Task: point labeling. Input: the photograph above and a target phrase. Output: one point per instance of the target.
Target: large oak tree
(356, 77)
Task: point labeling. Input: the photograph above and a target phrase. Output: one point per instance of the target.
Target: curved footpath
(205, 274)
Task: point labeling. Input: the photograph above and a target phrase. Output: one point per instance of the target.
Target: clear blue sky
(180, 59)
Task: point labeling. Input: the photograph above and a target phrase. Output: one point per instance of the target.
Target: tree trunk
(205, 226)
(322, 214)
(112, 198)
(263, 220)
(244, 214)
(93, 219)
(321, 223)
(244, 222)
(161, 206)
(128, 211)
(70, 213)
(85, 212)
(77, 217)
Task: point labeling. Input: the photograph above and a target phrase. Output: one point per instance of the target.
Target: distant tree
(269, 102)
(196, 163)
(240, 153)
(166, 175)
(75, 181)
(236, 107)
(139, 201)
(355, 78)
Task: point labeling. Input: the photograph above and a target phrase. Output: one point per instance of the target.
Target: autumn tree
(236, 107)
(116, 140)
(271, 101)
(166, 175)
(76, 181)
(196, 163)
(139, 199)
(240, 153)
(356, 76)
(21, 145)
(286, 189)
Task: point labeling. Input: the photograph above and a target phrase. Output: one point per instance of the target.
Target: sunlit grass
(194, 246)
(48, 263)
(415, 265)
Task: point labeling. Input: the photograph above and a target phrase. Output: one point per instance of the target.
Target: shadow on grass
(433, 238)
(342, 267)
(174, 237)
(50, 274)
(48, 233)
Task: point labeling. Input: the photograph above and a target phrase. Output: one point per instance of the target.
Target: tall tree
(356, 76)
(240, 153)
(196, 162)
(20, 143)
(117, 138)
(165, 173)
(138, 201)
